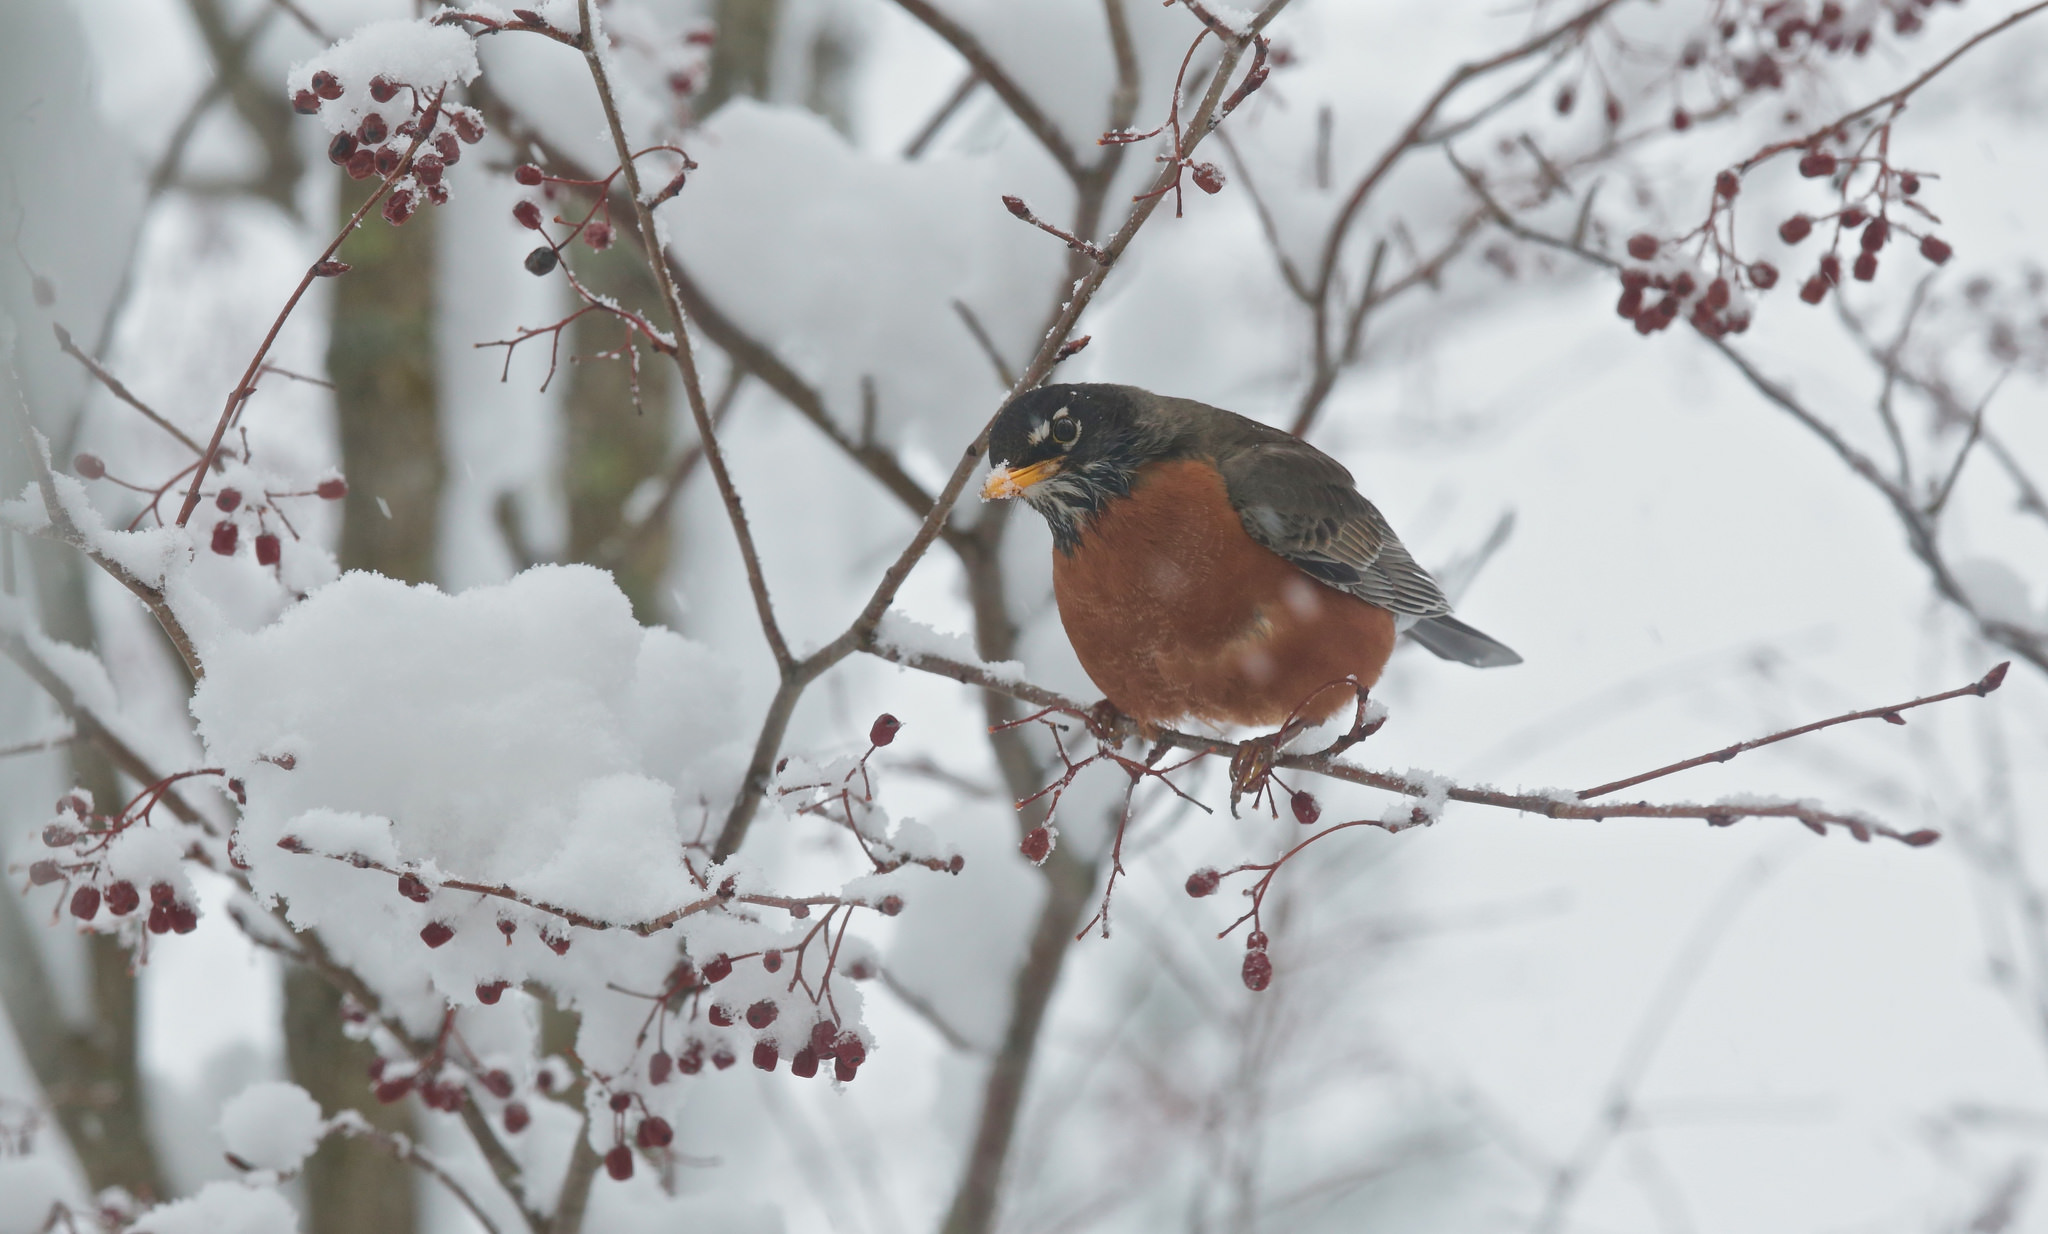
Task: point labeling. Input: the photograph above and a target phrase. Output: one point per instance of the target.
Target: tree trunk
(381, 358)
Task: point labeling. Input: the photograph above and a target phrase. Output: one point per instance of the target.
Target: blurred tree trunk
(89, 1073)
(381, 358)
(744, 53)
(611, 444)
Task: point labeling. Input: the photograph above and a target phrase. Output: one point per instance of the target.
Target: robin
(1210, 566)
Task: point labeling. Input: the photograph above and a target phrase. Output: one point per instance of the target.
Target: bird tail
(1452, 639)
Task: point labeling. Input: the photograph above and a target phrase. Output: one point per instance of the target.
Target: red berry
(659, 1068)
(883, 730)
(1208, 177)
(1814, 290)
(43, 873)
(399, 206)
(845, 1069)
(1566, 97)
(720, 1015)
(229, 498)
(619, 1163)
(305, 102)
(122, 898)
(382, 88)
(691, 1061)
(1255, 941)
(766, 1055)
(326, 85)
(268, 549)
(528, 215)
(1727, 184)
(654, 1132)
(389, 1091)
(427, 169)
(361, 164)
(517, 1117)
(386, 160)
(1257, 971)
(162, 894)
(1036, 846)
(597, 234)
(159, 919)
(1875, 235)
(372, 131)
(890, 905)
(88, 466)
(508, 928)
(1935, 249)
(621, 1102)
(1909, 184)
(1763, 275)
(225, 536)
(1613, 110)
(1306, 809)
(413, 888)
(1680, 119)
(541, 261)
(497, 1083)
(1852, 218)
(723, 1058)
(848, 1048)
(559, 944)
(1795, 229)
(1717, 295)
(717, 968)
(762, 1014)
(1865, 268)
(1642, 246)
(436, 933)
(1203, 883)
(772, 961)
(1816, 164)
(956, 864)
(1631, 303)
(448, 148)
(57, 835)
(489, 992)
(803, 1064)
(85, 903)
(822, 1033)
(527, 174)
(333, 489)
(469, 126)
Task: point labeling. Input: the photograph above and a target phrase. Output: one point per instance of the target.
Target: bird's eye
(1065, 430)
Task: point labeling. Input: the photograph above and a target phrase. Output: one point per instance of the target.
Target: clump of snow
(413, 53)
(272, 1126)
(223, 1208)
(914, 638)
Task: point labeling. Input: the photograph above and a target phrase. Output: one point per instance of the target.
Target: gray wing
(1303, 504)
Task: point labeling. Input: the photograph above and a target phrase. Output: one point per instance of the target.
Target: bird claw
(1251, 768)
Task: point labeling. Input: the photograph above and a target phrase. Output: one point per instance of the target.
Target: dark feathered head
(1067, 450)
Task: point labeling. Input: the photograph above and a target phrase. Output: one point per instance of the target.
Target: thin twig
(986, 69)
(113, 384)
(247, 385)
(1981, 687)
(988, 345)
(680, 349)
(961, 93)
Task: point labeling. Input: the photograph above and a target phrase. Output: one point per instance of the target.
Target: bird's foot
(1251, 768)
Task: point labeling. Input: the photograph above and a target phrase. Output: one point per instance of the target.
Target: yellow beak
(1003, 483)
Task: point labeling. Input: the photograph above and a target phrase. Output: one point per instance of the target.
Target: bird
(1210, 567)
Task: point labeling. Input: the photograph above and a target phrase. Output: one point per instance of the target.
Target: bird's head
(1068, 450)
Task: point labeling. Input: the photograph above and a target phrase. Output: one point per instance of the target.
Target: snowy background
(1499, 1022)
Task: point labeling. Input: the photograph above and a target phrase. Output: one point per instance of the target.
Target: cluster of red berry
(410, 155)
(86, 837)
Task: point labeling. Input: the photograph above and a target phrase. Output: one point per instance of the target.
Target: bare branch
(113, 384)
(987, 69)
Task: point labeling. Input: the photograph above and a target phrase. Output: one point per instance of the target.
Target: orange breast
(1175, 611)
